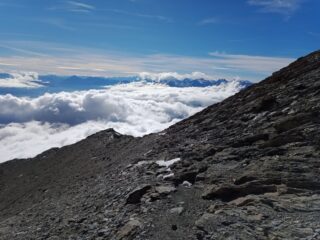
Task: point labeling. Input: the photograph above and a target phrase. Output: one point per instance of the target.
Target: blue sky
(131, 40)
(231, 38)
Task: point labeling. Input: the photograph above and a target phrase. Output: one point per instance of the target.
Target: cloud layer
(277, 6)
(21, 80)
(32, 84)
(158, 77)
(68, 60)
(32, 125)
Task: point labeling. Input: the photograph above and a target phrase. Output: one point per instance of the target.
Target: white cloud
(119, 103)
(80, 7)
(73, 6)
(23, 51)
(7, 64)
(22, 140)
(208, 21)
(157, 77)
(21, 80)
(55, 120)
(249, 62)
(286, 7)
(139, 15)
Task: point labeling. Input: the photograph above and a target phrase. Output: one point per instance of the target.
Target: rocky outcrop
(230, 192)
(245, 168)
(136, 195)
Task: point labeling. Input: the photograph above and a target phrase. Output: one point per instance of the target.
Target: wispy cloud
(286, 7)
(74, 6)
(68, 60)
(207, 21)
(104, 25)
(158, 17)
(250, 63)
(141, 15)
(22, 50)
(7, 64)
(79, 6)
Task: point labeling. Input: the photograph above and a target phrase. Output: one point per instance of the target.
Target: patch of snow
(142, 163)
(168, 163)
(186, 184)
(168, 176)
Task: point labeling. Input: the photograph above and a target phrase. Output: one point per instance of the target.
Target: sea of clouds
(20, 80)
(29, 126)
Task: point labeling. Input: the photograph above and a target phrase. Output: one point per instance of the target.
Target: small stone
(165, 190)
(81, 220)
(144, 210)
(154, 196)
(150, 173)
(214, 207)
(93, 226)
(304, 232)
(201, 177)
(163, 171)
(204, 220)
(186, 184)
(160, 177)
(200, 235)
(177, 210)
(53, 238)
(168, 177)
(102, 232)
(185, 176)
(257, 217)
(243, 201)
(129, 229)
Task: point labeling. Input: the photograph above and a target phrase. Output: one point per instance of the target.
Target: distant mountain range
(55, 83)
(83, 81)
(187, 82)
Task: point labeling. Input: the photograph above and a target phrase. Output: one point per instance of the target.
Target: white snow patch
(168, 176)
(167, 164)
(141, 163)
(186, 184)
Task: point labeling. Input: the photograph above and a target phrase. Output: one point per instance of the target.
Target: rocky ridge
(245, 168)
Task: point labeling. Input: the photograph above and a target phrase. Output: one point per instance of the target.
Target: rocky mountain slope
(246, 168)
